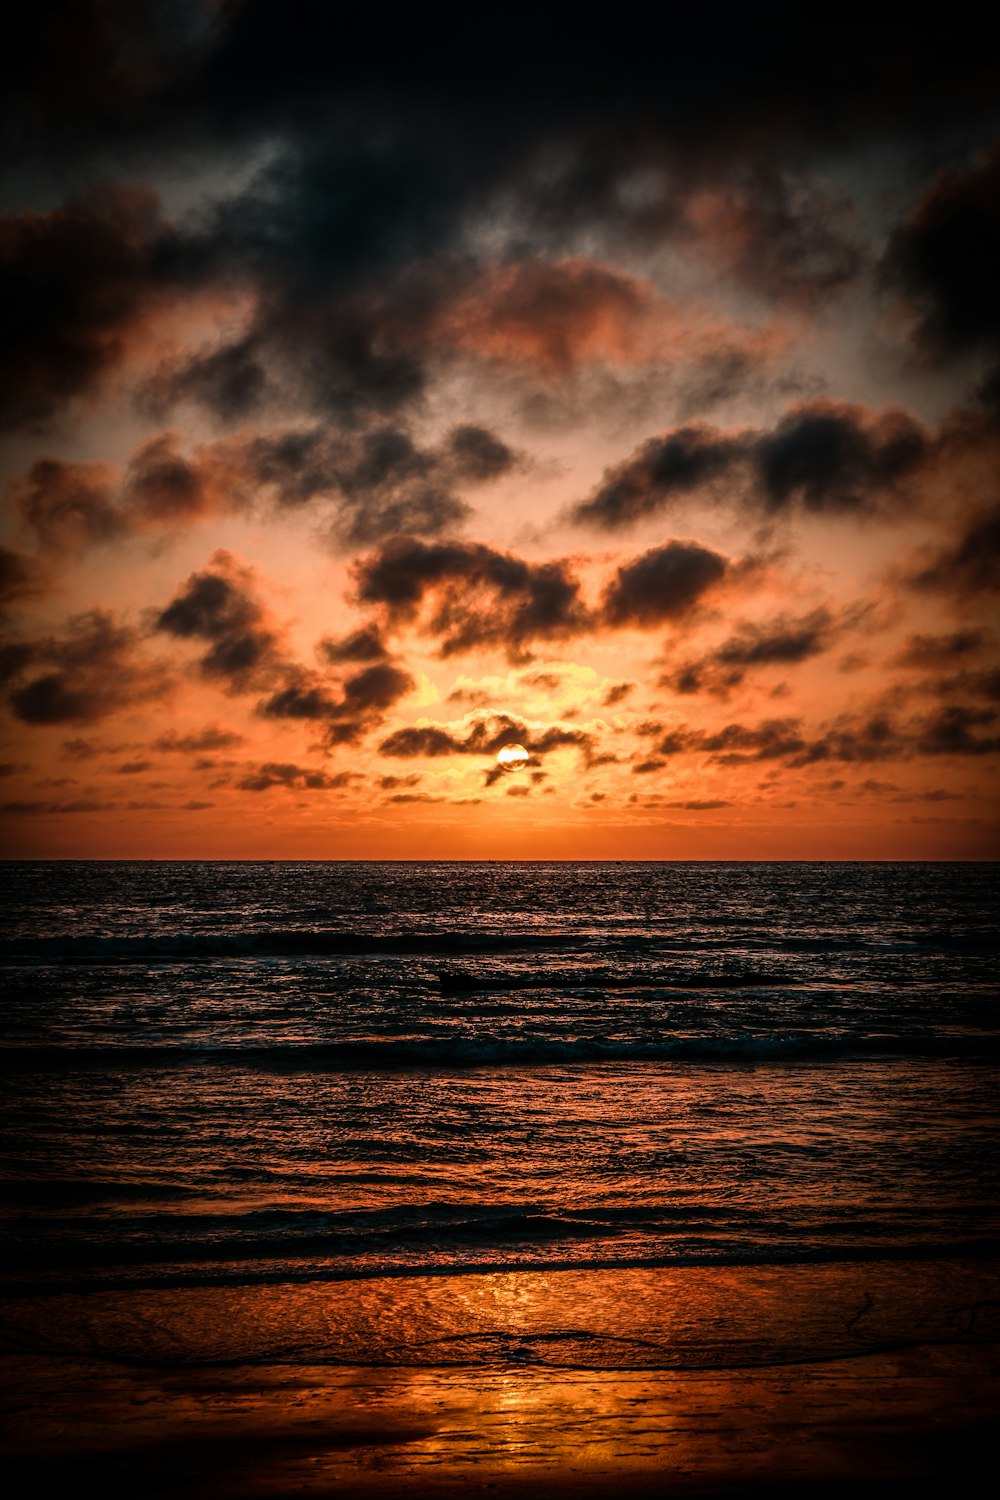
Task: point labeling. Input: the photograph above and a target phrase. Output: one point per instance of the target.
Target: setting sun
(512, 756)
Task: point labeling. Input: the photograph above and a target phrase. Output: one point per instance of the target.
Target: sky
(382, 390)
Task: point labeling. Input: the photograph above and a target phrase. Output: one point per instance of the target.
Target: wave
(182, 947)
(466, 1051)
(137, 1273)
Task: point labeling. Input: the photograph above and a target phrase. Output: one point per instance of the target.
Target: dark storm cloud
(823, 457)
(92, 73)
(74, 282)
(969, 566)
(381, 152)
(662, 585)
(833, 458)
(944, 260)
(91, 671)
(478, 596)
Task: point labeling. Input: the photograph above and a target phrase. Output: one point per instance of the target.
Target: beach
(432, 1179)
(912, 1418)
(840, 1380)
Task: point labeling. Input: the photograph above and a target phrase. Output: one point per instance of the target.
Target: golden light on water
(512, 756)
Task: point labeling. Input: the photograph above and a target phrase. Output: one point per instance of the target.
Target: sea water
(231, 1076)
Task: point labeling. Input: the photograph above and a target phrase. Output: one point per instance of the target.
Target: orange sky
(339, 457)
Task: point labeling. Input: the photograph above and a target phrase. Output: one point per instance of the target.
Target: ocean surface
(236, 1075)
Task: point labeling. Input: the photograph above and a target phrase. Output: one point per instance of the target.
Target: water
(236, 1075)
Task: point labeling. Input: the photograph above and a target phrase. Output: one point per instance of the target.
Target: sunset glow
(342, 454)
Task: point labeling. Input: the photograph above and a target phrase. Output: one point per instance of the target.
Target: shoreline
(516, 1384)
(922, 1418)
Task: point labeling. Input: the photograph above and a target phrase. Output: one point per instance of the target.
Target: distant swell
(473, 1052)
(431, 942)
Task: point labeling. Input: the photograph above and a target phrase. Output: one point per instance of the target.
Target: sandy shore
(875, 1378)
(911, 1422)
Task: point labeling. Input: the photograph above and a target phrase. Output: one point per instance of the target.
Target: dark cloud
(429, 740)
(95, 669)
(954, 731)
(477, 595)
(363, 644)
(944, 260)
(929, 652)
(78, 805)
(20, 577)
(298, 778)
(823, 457)
(678, 463)
(161, 485)
(700, 804)
(969, 566)
(784, 641)
(382, 160)
(198, 740)
(375, 483)
(662, 585)
(68, 506)
(861, 738)
(75, 281)
(484, 736)
(218, 606)
(782, 234)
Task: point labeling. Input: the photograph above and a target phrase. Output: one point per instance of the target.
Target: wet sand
(909, 1422)
(851, 1380)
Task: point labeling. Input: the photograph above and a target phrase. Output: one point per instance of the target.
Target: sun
(512, 756)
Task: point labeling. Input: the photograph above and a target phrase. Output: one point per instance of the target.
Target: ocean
(343, 1080)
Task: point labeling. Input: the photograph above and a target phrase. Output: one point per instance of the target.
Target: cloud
(478, 596)
(944, 258)
(783, 641)
(76, 281)
(20, 577)
(679, 463)
(822, 458)
(929, 652)
(95, 669)
(969, 566)
(483, 735)
(784, 235)
(363, 644)
(218, 606)
(198, 740)
(297, 778)
(68, 506)
(864, 737)
(664, 584)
